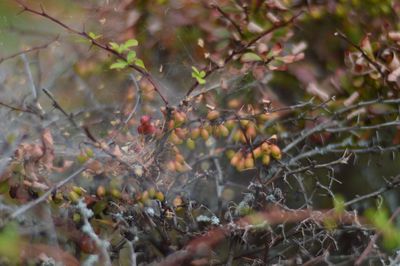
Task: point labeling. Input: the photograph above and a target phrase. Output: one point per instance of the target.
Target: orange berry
(266, 148)
(276, 152)
(212, 115)
(175, 139)
(101, 191)
(179, 158)
(180, 132)
(171, 166)
(257, 152)
(204, 133)
(195, 133)
(251, 132)
(266, 159)
(236, 158)
(223, 131)
(249, 162)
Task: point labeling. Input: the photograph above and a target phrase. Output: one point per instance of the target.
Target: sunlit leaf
(130, 43)
(119, 64)
(10, 242)
(250, 57)
(139, 63)
(131, 57)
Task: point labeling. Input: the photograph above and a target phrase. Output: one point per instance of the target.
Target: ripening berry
(171, 124)
(78, 190)
(257, 152)
(180, 167)
(237, 135)
(230, 154)
(236, 159)
(266, 148)
(244, 123)
(159, 196)
(175, 139)
(240, 166)
(179, 117)
(212, 115)
(58, 198)
(179, 158)
(145, 120)
(145, 197)
(266, 159)
(262, 117)
(251, 132)
(152, 192)
(177, 202)
(249, 162)
(73, 196)
(115, 193)
(180, 132)
(190, 144)
(101, 191)
(223, 131)
(82, 158)
(195, 133)
(204, 134)
(171, 166)
(230, 124)
(276, 152)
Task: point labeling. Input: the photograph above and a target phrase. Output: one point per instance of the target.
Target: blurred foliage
(195, 127)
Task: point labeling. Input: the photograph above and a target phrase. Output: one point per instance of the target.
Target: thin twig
(29, 50)
(24, 208)
(371, 243)
(244, 48)
(96, 43)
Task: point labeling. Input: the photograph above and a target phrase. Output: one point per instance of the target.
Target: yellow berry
(212, 115)
(204, 134)
(266, 159)
(190, 144)
(276, 152)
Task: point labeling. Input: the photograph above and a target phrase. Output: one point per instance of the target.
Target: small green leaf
(119, 64)
(130, 43)
(115, 46)
(195, 70)
(338, 203)
(94, 36)
(131, 57)
(250, 57)
(10, 242)
(199, 75)
(139, 63)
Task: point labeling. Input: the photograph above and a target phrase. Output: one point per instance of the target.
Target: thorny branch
(96, 43)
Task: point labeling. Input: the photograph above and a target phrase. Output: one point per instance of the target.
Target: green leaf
(120, 64)
(131, 57)
(139, 63)
(130, 43)
(115, 46)
(94, 36)
(9, 242)
(338, 203)
(195, 70)
(199, 75)
(250, 57)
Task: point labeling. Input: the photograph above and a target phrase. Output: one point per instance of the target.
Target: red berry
(141, 129)
(150, 129)
(145, 119)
